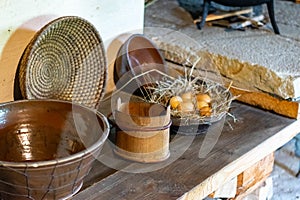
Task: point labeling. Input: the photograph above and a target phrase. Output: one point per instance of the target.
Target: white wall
(21, 19)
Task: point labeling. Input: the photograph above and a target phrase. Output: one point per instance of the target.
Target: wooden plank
(222, 14)
(263, 192)
(253, 191)
(255, 173)
(253, 177)
(263, 100)
(228, 190)
(255, 135)
(246, 160)
(247, 181)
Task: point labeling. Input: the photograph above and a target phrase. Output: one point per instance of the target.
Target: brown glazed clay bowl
(47, 147)
(137, 55)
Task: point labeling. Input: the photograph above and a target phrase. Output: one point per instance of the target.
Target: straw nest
(190, 81)
(190, 84)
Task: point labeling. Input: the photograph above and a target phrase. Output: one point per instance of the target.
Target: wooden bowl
(47, 147)
(137, 55)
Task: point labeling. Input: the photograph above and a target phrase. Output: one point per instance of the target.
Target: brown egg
(175, 102)
(201, 104)
(187, 96)
(187, 106)
(203, 97)
(205, 111)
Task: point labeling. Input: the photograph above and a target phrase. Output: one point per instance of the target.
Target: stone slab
(254, 51)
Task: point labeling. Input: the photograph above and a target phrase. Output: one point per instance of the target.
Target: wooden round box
(143, 131)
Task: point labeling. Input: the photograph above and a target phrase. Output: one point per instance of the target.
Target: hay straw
(170, 86)
(166, 89)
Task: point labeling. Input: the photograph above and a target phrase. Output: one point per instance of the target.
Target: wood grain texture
(143, 131)
(253, 177)
(246, 182)
(228, 190)
(255, 135)
(255, 173)
(263, 100)
(222, 14)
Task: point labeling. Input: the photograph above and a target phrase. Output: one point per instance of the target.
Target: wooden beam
(246, 182)
(228, 190)
(254, 176)
(263, 100)
(222, 14)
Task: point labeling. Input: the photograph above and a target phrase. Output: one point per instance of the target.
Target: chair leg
(270, 6)
(206, 6)
(297, 145)
(297, 151)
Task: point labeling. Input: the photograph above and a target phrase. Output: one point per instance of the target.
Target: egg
(201, 104)
(203, 97)
(175, 101)
(187, 106)
(188, 96)
(205, 111)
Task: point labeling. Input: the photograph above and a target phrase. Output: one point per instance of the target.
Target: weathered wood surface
(246, 182)
(255, 135)
(254, 176)
(266, 101)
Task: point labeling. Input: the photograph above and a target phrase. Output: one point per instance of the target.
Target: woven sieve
(65, 60)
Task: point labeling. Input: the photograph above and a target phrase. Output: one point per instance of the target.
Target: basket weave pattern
(65, 60)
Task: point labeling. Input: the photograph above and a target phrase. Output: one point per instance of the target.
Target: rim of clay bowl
(148, 42)
(80, 154)
(125, 52)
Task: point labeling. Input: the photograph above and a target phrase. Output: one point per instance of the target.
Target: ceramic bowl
(47, 147)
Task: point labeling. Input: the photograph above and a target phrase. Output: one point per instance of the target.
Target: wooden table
(254, 136)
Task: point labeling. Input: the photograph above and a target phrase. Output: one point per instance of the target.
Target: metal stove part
(245, 3)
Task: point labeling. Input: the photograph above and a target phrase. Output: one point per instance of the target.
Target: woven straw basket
(66, 61)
